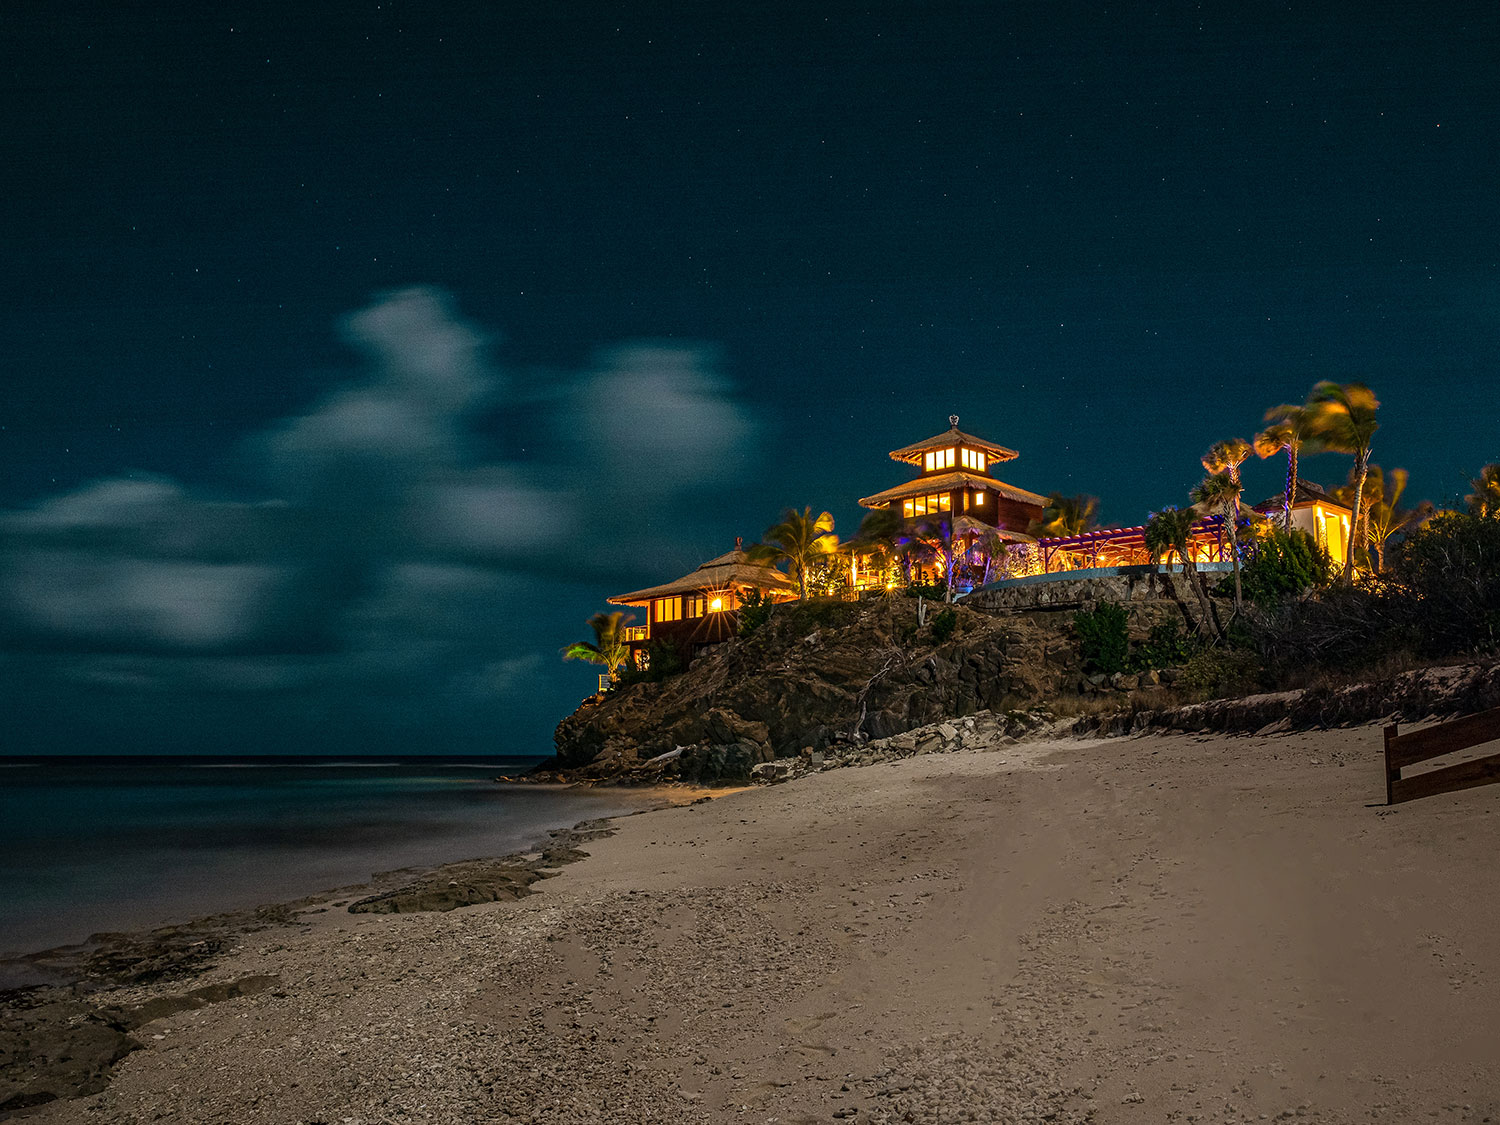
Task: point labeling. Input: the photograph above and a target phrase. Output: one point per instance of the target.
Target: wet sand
(1183, 928)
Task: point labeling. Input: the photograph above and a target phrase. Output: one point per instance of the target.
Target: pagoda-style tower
(955, 477)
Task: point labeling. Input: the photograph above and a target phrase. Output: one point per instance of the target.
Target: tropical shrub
(943, 625)
(1103, 637)
(1166, 647)
(932, 591)
(826, 613)
(663, 659)
(1222, 670)
(1282, 564)
(1445, 579)
(755, 611)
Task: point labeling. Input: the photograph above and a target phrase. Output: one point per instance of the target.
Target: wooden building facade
(700, 608)
(955, 478)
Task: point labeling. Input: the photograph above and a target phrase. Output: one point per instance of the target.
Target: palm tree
(878, 537)
(1220, 492)
(1288, 427)
(938, 539)
(800, 539)
(1343, 420)
(1226, 457)
(1170, 532)
(1064, 516)
(608, 646)
(1383, 518)
(1484, 501)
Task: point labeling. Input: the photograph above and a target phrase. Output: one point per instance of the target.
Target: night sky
(354, 353)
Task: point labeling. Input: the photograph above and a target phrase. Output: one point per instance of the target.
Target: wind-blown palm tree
(1064, 516)
(1170, 532)
(1484, 501)
(1289, 428)
(1220, 493)
(1226, 457)
(608, 646)
(800, 539)
(1343, 420)
(1383, 517)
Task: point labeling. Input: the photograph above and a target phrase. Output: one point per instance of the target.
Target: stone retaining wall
(1129, 586)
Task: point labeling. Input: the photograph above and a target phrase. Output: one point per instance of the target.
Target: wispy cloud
(394, 543)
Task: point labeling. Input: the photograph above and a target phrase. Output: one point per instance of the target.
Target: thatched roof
(728, 571)
(947, 482)
(912, 454)
(1308, 492)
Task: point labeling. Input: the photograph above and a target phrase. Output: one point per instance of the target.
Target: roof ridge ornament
(953, 420)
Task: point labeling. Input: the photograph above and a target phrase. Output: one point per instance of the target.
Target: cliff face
(813, 676)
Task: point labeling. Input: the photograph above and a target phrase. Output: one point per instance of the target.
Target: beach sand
(1185, 928)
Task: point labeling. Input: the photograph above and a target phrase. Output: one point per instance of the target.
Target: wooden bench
(1403, 750)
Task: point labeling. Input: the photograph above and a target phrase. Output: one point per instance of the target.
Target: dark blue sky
(659, 271)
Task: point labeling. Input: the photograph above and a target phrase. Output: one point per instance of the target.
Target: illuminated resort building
(1316, 512)
(700, 608)
(955, 513)
(954, 478)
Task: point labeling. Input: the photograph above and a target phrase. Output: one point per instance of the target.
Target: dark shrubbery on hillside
(1440, 598)
(1103, 637)
(1446, 579)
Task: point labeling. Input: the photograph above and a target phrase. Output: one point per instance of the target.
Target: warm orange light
(716, 605)
(979, 498)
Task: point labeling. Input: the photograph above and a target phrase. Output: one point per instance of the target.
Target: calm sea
(90, 844)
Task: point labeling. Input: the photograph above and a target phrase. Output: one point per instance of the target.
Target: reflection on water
(120, 843)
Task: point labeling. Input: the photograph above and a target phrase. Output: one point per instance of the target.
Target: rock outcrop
(814, 677)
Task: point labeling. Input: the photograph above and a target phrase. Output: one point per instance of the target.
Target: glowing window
(716, 605)
(938, 459)
(978, 499)
(667, 609)
(931, 461)
(973, 459)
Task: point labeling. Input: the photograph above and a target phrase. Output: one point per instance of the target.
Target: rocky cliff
(815, 676)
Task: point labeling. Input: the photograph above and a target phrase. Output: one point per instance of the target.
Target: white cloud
(663, 417)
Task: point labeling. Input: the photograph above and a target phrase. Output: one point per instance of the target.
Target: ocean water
(115, 843)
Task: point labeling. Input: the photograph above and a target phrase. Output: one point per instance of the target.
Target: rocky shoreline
(65, 1028)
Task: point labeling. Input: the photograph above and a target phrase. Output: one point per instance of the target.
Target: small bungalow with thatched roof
(701, 607)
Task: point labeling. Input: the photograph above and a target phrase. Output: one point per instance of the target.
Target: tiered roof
(912, 454)
(944, 482)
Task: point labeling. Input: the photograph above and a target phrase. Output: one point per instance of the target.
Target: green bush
(932, 591)
(755, 611)
(943, 625)
(1166, 647)
(1103, 638)
(824, 613)
(1222, 671)
(1445, 583)
(1280, 565)
(663, 659)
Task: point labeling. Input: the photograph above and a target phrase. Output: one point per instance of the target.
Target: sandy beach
(1184, 928)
